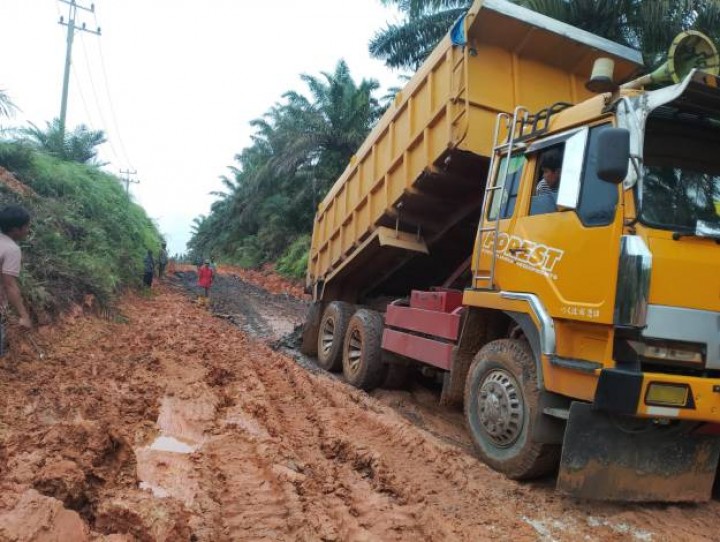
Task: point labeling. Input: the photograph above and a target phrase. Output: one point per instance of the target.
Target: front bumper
(626, 392)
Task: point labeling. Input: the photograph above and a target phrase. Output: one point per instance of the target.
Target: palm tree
(227, 183)
(334, 121)
(408, 44)
(300, 146)
(80, 145)
(647, 25)
(303, 144)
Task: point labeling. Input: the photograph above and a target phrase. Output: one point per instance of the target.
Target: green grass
(87, 237)
(293, 263)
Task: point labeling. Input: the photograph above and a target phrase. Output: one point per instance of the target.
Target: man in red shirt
(205, 278)
(15, 226)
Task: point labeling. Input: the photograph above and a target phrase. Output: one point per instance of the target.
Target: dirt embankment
(171, 424)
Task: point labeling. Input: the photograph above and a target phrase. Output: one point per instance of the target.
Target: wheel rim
(500, 407)
(327, 336)
(354, 354)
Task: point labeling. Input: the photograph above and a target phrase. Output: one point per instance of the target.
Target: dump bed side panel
(409, 139)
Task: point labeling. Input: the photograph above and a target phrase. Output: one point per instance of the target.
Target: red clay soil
(9, 180)
(166, 423)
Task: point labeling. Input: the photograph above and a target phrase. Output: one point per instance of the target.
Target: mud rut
(165, 422)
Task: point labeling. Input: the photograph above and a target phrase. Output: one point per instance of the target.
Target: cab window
(508, 175)
(548, 177)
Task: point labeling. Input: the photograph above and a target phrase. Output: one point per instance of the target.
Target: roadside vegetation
(299, 148)
(87, 237)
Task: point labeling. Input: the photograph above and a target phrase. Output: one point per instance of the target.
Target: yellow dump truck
(549, 252)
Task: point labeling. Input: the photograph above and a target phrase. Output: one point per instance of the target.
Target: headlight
(669, 352)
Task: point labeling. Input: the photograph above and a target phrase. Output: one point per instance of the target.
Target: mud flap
(607, 457)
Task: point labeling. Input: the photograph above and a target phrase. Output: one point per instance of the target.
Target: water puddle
(280, 326)
(165, 467)
(157, 491)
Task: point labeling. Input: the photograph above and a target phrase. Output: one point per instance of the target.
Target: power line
(82, 98)
(95, 96)
(110, 102)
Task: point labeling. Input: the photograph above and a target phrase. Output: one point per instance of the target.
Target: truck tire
(333, 326)
(310, 330)
(363, 366)
(501, 403)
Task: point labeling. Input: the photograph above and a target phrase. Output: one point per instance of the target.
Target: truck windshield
(681, 182)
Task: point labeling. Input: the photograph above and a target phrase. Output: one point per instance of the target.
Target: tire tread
(372, 371)
(533, 459)
(342, 312)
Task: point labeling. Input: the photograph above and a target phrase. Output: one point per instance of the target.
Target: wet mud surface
(165, 422)
(267, 316)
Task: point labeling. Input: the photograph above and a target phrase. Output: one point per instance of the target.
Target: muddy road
(275, 319)
(162, 421)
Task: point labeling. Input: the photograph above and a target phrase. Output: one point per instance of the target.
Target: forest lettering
(525, 253)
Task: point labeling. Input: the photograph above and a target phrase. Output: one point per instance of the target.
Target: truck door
(563, 244)
(500, 210)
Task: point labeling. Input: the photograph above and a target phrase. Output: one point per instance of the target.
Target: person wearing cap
(205, 279)
(550, 166)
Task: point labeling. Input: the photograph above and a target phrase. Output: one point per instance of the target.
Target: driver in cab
(550, 166)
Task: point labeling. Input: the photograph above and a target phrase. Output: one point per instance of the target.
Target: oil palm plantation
(300, 146)
(648, 25)
(326, 127)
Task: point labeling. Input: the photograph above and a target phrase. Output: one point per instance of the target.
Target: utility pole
(72, 28)
(127, 180)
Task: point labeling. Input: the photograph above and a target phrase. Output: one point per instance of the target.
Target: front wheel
(501, 406)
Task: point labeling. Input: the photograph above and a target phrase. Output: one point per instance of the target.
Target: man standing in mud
(15, 226)
(162, 260)
(149, 269)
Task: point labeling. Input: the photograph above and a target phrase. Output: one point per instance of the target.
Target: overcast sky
(174, 83)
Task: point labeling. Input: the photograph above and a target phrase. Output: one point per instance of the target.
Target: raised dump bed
(404, 212)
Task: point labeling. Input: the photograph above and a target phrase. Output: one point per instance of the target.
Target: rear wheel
(333, 326)
(501, 406)
(362, 354)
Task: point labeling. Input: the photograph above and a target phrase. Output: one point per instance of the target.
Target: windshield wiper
(699, 232)
(677, 235)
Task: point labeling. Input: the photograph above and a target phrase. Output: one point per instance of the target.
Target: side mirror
(613, 150)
